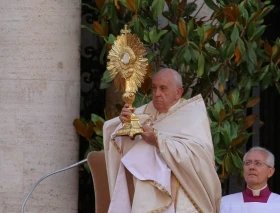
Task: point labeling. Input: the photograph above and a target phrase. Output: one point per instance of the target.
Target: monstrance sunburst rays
(128, 66)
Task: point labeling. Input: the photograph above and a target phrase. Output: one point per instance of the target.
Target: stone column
(39, 99)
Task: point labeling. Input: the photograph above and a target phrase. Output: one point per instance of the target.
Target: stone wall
(39, 99)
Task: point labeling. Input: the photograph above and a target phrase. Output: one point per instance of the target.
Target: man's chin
(158, 107)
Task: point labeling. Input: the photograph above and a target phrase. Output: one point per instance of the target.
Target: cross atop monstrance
(127, 66)
(125, 30)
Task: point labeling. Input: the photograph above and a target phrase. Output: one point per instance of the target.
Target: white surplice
(234, 203)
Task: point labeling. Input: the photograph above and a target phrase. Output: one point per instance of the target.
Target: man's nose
(252, 166)
(156, 92)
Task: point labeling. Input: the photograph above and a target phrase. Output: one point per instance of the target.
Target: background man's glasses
(255, 163)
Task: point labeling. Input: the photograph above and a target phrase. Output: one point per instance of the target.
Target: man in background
(258, 167)
(170, 166)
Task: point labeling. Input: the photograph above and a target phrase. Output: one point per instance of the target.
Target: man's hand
(149, 135)
(126, 113)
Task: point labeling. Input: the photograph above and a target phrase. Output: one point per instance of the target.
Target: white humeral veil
(234, 203)
(179, 176)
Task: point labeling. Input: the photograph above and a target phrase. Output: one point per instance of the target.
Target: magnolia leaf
(190, 26)
(235, 97)
(146, 36)
(236, 141)
(116, 2)
(235, 12)
(84, 129)
(212, 51)
(267, 9)
(227, 25)
(219, 152)
(251, 30)
(266, 81)
(235, 34)
(99, 124)
(229, 165)
(234, 129)
(237, 161)
(216, 139)
(258, 32)
(248, 121)
(157, 8)
(153, 35)
(209, 33)
(212, 5)
(222, 115)
(89, 29)
(218, 160)
(201, 63)
(251, 54)
(160, 34)
(175, 29)
(268, 49)
(230, 49)
(219, 105)
(96, 118)
(274, 50)
(226, 135)
(254, 16)
(166, 43)
(98, 28)
(98, 131)
(106, 80)
(252, 101)
(137, 4)
(180, 41)
(151, 56)
(215, 67)
(187, 55)
(182, 28)
(131, 5)
(137, 28)
(238, 55)
(241, 45)
(100, 4)
(111, 39)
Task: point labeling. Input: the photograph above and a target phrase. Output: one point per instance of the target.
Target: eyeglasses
(255, 163)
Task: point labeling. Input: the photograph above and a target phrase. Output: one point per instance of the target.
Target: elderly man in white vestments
(258, 167)
(170, 167)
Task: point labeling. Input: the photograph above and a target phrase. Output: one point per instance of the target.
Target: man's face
(165, 92)
(256, 176)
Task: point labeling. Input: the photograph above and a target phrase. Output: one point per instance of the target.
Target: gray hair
(270, 159)
(177, 77)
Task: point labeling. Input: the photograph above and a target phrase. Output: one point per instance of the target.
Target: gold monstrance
(127, 66)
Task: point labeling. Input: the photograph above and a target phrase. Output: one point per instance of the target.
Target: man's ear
(271, 172)
(180, 91)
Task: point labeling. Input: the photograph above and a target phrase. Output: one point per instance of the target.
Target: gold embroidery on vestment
(116, 145)
(164, 191)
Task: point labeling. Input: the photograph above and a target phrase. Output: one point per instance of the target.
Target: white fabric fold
(184, 160)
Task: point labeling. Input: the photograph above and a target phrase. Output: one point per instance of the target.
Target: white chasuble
(179, 176)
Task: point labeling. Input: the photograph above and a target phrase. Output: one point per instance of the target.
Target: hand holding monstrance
(127, 66)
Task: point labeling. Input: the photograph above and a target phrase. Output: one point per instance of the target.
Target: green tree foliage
(208, 52)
